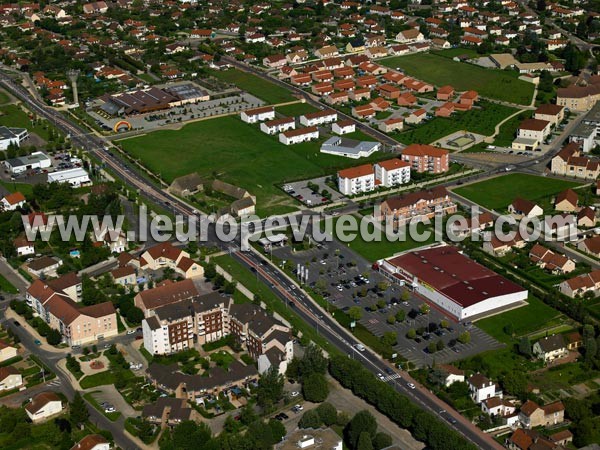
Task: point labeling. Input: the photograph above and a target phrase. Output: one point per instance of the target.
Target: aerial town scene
(304, 224)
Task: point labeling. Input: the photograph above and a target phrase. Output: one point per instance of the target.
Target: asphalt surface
(284, 288)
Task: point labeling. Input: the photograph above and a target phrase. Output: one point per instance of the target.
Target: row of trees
(423, 426)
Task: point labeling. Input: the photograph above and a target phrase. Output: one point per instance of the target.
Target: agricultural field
(497, 193)
(212, 152)
(254, 85)
(440, 70)
(481, 121)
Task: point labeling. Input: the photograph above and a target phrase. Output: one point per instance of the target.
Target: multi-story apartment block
(416, 206)
(426, 158)
(366, 177)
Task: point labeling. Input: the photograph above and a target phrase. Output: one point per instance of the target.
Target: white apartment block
(258, 114)
(392, 172)
(297, 136)
(355, 180)
(343, 127)
(318, 118)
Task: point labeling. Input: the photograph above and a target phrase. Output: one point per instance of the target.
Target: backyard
(206, 149)
(295, 109)
(254, 85)
(497, 193)
(440, 70)
(482, 120)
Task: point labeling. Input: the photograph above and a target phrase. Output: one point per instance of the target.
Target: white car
(380, 376)
(130, 331)
(299, 407)
(360, 347)
(294, 394)
(411, 385)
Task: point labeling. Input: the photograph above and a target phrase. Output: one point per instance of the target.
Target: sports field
(439, 70)
(269, 92)
(482, 120)
(499, 192)
(240, 154)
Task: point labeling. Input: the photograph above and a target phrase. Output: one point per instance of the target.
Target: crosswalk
(392, 377)
(55, 382)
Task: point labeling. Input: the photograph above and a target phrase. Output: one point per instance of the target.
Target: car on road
(131, 331)
(37, 342)
(411, 385)
(294, 394)
(389, 371)
(360, 347)
(380, 376)
(17, 324)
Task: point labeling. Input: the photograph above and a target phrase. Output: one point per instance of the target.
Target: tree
(515, 383)
(54, 337)
(444, 323)
(79, 413)
(391, 319)
(431, 348)
(362, 422)
(190, 435)
(424, 308)
(327, 413)
(355, 313)
(411, 333)
(439, 345)
(365, 442)
(405, 296)
(270, 388)
(315, 388)
(313, 361)
(464, 337)
(389, 338)
(310, 419)
(508, 329)
(400, 315)
(210, 271)
(382, 440)
(525, 347)
(277, 430)
(590, 350)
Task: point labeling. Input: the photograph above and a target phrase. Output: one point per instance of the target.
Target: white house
(44, 266)
(392, 172)
(300, 135)
(278, 125)
(318, 118)
(12, 201)
(343, 127)
(43, 405)
(10, 378)
(92, 442)
(521, 207)
(453, 375)
(482, 388)
(23, 247)
(498, 407)
(550, 348)
(76, 177)
(355, 180)
(531, 133)
(258, 114)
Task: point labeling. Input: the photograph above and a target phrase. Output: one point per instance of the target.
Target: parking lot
(347, 280)
(312, 196)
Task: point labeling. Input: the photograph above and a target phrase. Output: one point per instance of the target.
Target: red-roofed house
(426, 158)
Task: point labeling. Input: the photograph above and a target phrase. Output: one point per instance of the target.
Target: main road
(284, 288)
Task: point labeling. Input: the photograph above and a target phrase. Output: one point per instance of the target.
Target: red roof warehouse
(454, 282)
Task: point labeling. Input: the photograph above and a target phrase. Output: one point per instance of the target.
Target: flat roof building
(37, 160)
(76, 177)
(460, 286)
(349, 148)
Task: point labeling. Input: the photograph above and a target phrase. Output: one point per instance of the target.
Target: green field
(297, 109)
(480, 121)
(527, 319)
(254, 85)
(237, 153)
(374, 250)
(13, 116)
(440, 70)
(508, 130)
(458, 51)
(499, 192)
(6, 286)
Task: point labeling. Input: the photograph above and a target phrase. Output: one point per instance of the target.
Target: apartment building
(258, 114)
(531, 133)
(426, 158)
(318, 118)
(417, 206)
(306, 134)
(366, 177)
(78, 325)
(278, 125)
(571, 162)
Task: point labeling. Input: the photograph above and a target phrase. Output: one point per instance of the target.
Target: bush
(315, 388)
(310, 419)
(327, 413)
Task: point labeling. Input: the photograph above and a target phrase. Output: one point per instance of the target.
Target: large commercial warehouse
(452, 281)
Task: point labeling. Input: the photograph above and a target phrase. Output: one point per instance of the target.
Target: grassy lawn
(374, 250)
(13, 116)
(6, 286)
(563, 376)
(254, 85)
(222, 358)
(452, 52)
(206, 149)
(25, 189)
(103, 378)
(498, 362)
(4, 98)
(297, 109)
(480, 121)
(508, 130)
(499, 192)
(524, 320)
(440, 70)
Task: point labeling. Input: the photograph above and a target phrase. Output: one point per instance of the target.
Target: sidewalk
(11, 315)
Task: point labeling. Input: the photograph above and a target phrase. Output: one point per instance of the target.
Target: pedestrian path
(391, 377)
